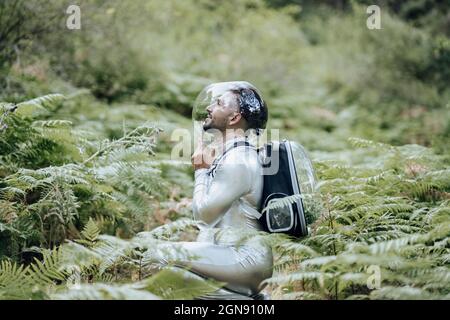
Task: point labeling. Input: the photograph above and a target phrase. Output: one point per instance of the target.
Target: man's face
(220, 112)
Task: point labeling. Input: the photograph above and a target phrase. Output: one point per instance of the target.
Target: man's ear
(235, 118)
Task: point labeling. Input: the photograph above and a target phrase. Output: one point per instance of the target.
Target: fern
(364, 143)
(386, 217)
(52, 123)
(100, 291)
(14, 281)
(50, 270)
(27, 108)
(113, 251)
(174, 283)
(41, 101)
(89, 234)
(388, 207)
(401, 293)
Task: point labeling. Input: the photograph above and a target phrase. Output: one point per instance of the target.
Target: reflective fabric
(230, 195)
(228, 247)
(241, 267)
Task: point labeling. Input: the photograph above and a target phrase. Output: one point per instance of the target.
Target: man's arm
(231, 181)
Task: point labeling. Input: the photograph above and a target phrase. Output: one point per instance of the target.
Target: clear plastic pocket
(281, 218)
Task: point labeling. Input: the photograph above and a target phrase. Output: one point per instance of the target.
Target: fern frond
(301, 295)
(279, 203)
(40, 103)
(15, 282)
(79, 255)
(176, 283)
(89, 233)
(49, 98)
(364, 143)
(112, 250)
(401, 293)
(50, 270)
(101, 291)
(167, 231)
(52, 123)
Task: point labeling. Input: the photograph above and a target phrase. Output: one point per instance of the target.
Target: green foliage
(63, 275)
(101, 291)
(14, 281)
(106, 185)
(79, 176)
(89, 234)
(180, 284)
(21, 22)
(362, 80)
(56, 178)
(394, 217)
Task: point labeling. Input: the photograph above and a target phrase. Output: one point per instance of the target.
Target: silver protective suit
(226, 199)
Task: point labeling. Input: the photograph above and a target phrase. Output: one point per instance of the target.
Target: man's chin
(207, 125)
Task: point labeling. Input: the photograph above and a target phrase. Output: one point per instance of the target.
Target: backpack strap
(213, 168)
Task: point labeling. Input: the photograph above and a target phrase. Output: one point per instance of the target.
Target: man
(227, 195)
(235, 109)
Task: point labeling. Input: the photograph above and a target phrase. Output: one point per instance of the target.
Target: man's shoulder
(241, 155)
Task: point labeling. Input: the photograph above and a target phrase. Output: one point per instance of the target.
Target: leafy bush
(82, 173)
(390, 215)
(55, 177)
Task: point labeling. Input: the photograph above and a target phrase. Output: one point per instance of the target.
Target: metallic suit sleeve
(231, 181)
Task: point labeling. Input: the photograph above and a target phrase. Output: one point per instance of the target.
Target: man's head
(235, 105)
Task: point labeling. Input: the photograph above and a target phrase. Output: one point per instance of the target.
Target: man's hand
(203, 157)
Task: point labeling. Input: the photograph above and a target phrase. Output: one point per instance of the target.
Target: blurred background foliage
(312, 59)
(325, 75)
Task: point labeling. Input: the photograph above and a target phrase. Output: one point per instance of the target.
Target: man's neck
(223, 141)
(232, 136)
